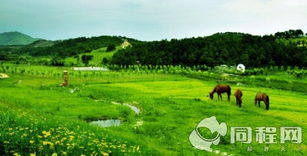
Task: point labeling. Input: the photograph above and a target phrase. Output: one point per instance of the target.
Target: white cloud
(264, 16)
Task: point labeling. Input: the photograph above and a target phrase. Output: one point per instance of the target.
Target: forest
(288, 48)
(221, 48)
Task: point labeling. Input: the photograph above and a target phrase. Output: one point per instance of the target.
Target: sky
(150, 19)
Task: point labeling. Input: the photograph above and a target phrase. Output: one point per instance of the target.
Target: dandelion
(31, 141)
(24, 135)
(54, 154)
(16, 154)
(137, 148)
(71, 137)
(46, 133)
(105, 154)
(45, 142)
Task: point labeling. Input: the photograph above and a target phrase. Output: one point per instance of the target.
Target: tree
(57, 61)
(111, 47)
(86, 59)
(105, 61)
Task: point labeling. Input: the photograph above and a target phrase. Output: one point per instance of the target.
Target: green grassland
(38, 116)
(98, 55)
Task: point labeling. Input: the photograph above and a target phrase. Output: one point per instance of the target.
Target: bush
(86, 59)
(111, 48)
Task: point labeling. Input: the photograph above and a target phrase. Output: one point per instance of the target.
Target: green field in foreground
(38, 116)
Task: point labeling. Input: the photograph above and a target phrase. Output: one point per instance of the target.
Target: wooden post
(65, 83)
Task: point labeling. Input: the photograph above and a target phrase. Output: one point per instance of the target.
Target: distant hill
(15, 38)
(72, 47)
(41, 43)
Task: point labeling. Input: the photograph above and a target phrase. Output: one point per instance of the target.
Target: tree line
(221, 48)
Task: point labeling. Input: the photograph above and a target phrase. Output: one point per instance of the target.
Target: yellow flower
(45, 142)
(46, 133)
(31, 141)
(32, 154)
(105, 154)
(54, 154)
(16, 154)
(71, 137)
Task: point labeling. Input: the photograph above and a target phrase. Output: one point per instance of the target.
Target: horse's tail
(267, 102)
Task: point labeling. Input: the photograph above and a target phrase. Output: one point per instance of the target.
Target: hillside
(73, 47)
(15, 38)
(42, 43)
(221, 48)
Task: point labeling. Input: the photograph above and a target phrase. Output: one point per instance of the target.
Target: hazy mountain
(15, 38)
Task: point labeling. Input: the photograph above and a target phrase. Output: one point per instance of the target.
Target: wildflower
(32, 154)
(24, 135)
(31, 141)
(16, 154)
(137, 148)
(46, 133)
(54, 154)
(71, 137)
(105, 154)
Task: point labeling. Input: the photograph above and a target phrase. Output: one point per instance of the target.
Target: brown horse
(262, 97)
(238, 95)
(219, 89)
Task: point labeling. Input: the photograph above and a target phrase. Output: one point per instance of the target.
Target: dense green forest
(221, 48)
(288, 48)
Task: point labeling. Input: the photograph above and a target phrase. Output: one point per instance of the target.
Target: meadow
(40, 117)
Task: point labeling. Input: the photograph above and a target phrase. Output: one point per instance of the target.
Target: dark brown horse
(219, 89)
(238, 95)
(262, 97)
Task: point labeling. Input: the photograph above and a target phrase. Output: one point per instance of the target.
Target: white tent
(241, 68)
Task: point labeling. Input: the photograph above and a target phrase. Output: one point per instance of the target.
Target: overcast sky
(150, 19)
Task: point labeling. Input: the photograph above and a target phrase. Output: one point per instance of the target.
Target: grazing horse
(262, 97)
(238, 95)
(219, 89)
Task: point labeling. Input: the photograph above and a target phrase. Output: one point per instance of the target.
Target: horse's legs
(219, 96)
(267, 105)
(258, 103)
(228, 94)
